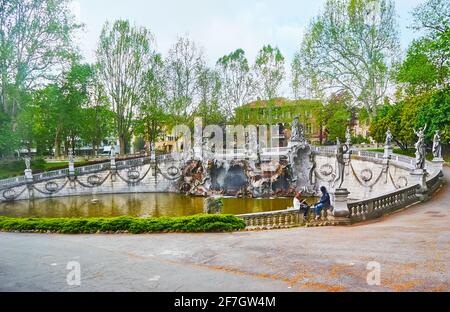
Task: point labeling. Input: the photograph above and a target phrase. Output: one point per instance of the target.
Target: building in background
(282, 111)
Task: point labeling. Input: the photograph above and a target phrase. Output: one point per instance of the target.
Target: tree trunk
(122, 144)
(57, 145)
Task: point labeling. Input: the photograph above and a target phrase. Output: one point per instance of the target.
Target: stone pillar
(113, 164)
(388, 151)
(71, 165)
(438, 163)
(340, 213)
(419, 177)
(152, 152)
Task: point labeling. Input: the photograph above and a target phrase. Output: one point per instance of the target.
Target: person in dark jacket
(324, 202)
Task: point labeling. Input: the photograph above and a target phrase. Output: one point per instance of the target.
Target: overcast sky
(218, 26)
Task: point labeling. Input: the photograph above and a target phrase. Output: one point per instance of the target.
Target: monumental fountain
(363, 184)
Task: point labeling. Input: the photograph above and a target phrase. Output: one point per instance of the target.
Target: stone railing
(376, 207)
(7, 183)
(272, 219)
(82, 170)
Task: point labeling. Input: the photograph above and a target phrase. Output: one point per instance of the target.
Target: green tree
(237, 81)
(335, 116)
(96, 117)
(183, 67)
(153, 114)
(428, 59)
(35, 44)
(124, 56)
(209, 108)
(351, 47)
(269, 71)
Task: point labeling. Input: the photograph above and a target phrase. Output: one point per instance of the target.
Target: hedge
(196, 223)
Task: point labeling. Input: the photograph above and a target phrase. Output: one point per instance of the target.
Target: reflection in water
(137, 205)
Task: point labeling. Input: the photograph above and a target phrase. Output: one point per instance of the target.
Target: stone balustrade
(376, 207)
(272, 220)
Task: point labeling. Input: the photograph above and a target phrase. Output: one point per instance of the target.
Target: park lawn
(14, 168)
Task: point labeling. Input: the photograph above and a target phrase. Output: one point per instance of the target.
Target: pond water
(136, 205)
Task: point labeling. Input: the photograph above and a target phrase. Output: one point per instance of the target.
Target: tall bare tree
(124, 56)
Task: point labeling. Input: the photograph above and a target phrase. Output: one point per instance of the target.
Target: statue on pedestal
(27, 163)
(420, 148)
(341, 151)
(348, 137)
(71, 158)
(112, 152)
(298, 133)
(437, 152)
(388, 137)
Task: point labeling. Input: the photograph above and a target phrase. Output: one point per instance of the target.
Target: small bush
(196, 223)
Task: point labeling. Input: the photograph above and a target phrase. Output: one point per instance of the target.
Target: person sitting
(301, 205)
(324, 202)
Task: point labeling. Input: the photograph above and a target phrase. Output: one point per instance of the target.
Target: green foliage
(427, 64)
(36, 42)
(359, 140)
(431, 108)
(269, 70)
(237, 82)
(436, 114)
(335, 116)
(349, 47)
(197, 223)
(12, 168)
(125, 54)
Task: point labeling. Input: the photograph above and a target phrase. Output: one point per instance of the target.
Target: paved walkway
(411, 246)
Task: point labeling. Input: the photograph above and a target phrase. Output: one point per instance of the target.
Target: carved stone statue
(338, 142)
(112, 152)
(27, 163)
(388, 137)
(348, 137)
(420, 148)
(437, 153)
(341, 151)
(71, 158)
(298, 133)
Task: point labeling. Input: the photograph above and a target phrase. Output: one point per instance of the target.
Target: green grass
(196, 223)
(13, 168)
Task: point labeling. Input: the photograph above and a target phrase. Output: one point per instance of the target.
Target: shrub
(196, 223)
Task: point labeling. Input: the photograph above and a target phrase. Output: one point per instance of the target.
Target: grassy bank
(197, 223)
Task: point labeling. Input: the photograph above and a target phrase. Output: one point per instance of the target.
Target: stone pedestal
(438, 162)
(340, 213)
(28, 175)
(388, 151)
(419, 177)
(113, 169)
(29, 181)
